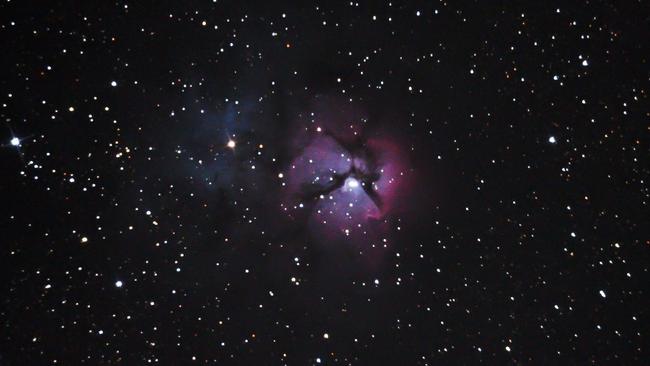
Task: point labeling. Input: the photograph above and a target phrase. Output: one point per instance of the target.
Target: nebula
(346, 182)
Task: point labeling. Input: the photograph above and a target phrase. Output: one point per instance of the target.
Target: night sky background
(343, 183)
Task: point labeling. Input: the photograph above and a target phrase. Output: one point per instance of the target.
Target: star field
(323, 183)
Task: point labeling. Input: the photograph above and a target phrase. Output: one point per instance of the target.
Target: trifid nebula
(212, 182)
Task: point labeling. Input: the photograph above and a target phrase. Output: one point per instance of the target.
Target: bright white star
(351, 184)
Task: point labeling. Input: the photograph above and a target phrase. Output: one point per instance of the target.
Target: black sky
(132, 234)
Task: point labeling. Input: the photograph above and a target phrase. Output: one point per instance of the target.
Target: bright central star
(352, 183)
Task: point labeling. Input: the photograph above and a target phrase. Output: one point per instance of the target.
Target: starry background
(133, 233)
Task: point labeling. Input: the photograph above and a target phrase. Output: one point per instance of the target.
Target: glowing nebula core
(345, 183)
